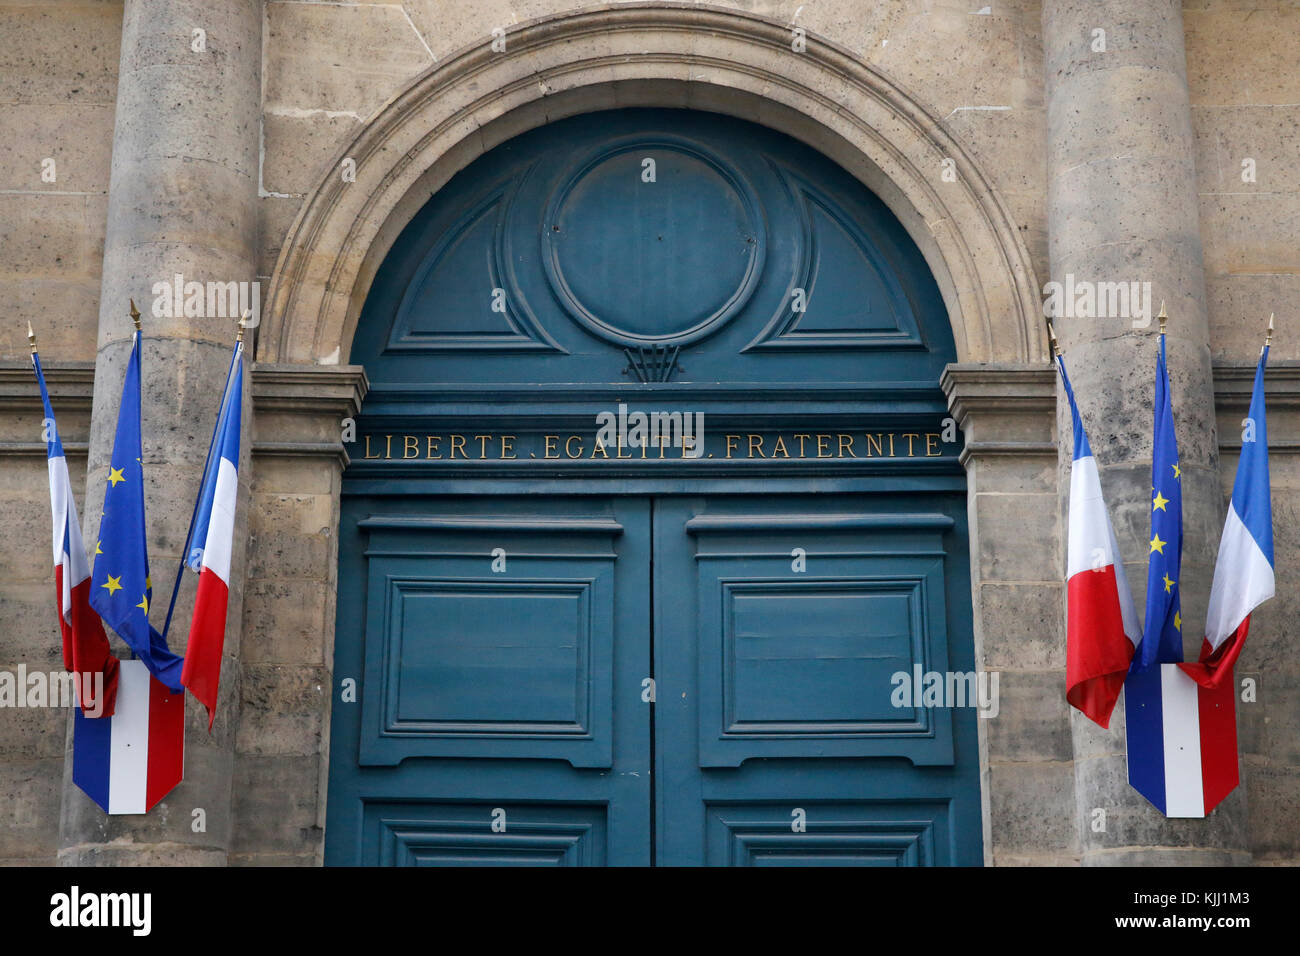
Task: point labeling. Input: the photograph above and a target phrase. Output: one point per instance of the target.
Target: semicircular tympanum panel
(662, 246)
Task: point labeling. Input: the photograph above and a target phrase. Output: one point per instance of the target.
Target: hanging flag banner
(1162, 638)
(86, 653)
(209, 543)
(121, 590)
(128, 762)
(1101, 627)
(1180, 719)
(1243, 573)
(1182, 740)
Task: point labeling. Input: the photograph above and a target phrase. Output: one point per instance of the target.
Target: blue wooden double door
(562, 639)
(681, 680)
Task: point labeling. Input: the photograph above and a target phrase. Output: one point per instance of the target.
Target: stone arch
(670, 56)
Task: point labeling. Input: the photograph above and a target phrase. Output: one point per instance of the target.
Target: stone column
(1122, 207)
(182, 200)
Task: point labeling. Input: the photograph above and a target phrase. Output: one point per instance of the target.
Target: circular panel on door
(678, 258)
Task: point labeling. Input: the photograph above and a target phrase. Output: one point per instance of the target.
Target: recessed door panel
(490, 636)
(782, 626)
(501, 645)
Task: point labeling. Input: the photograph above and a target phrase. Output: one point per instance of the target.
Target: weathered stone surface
(29, 790)
(1032, 807)
(1025, 626)
(56, 53)
(371, 50)
(276, 803)
(284, 707)
(1033, 722)
(1006, 523)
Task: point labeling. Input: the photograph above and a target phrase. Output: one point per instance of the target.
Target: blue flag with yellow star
(120, 589)
(1162, 639)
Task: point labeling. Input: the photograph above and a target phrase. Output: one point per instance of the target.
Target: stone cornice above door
(298, 410)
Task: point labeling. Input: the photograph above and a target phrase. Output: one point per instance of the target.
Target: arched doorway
(576, 646)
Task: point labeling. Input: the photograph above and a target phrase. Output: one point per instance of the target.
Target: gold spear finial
(31, 336)
(1056, 346)
(1268, 339)
(243, 322)
(1162, 317)
(135, 314)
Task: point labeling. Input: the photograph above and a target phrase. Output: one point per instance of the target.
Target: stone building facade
(288, 142)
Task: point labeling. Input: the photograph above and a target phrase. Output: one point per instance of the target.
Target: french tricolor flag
(1243, 574)
(127, 763)
(86, 652)
(1182, 740)
(1102, 627)
(1181, 718)
(209, 544)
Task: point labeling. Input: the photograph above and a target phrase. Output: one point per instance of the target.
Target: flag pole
(31, 335)
(1268, 337)
(1162, 317)
(180, 570)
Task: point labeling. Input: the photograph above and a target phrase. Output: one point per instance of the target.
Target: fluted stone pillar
(1122, 206)
(182, 200)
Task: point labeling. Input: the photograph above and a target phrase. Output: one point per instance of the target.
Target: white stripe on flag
(221, 526)
(1090, 544)
(1180, 702)
(1243, 580)
(128, 766)
(58, 468)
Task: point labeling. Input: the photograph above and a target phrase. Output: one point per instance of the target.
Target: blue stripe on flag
(1081, 447)
(92, 740)
(1144, 728)
(1250, 489)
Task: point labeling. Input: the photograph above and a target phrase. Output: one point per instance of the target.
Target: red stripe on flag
(202, 670)
(90, 653)
(166, 763)
(1215, 665)
(1097, 650)
(1218, 715)
(69, 663)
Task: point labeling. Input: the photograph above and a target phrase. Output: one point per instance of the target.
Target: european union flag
(1162, 638)
(120, 588)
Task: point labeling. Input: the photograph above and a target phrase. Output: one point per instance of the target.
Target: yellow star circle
(114, 476)
(1158, 545)
(114, 584)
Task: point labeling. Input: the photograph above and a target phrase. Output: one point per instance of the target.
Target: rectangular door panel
(455, 834)
(489, 636)
(803, 620)
(781, 625)
(501, 644)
